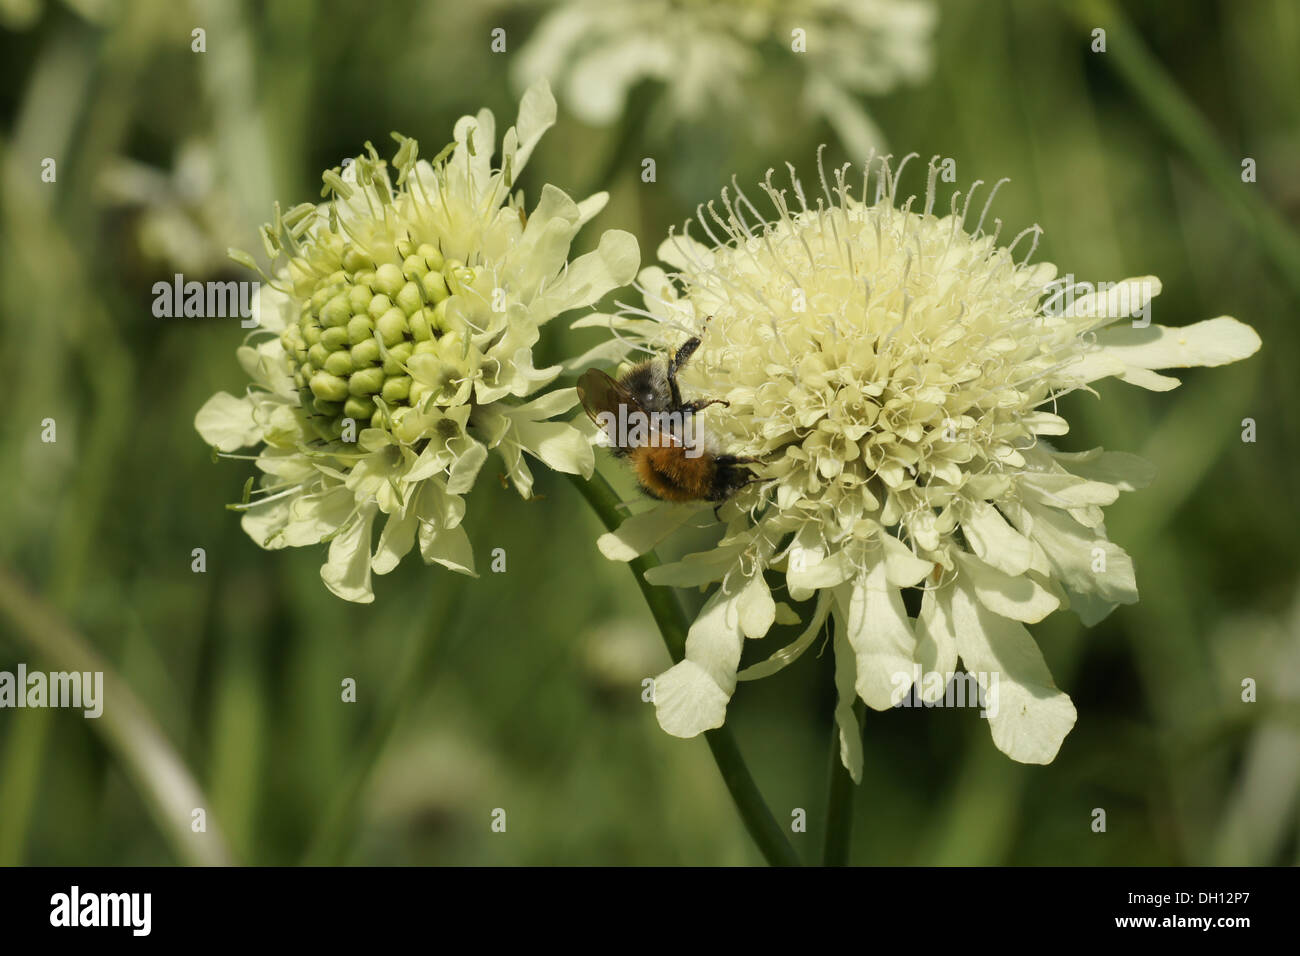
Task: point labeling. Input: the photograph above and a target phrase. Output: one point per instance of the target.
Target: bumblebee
(657, 432)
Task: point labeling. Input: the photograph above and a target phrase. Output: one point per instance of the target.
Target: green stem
(839, 801)
(1187, 128)
(126, 726)
(668, 615)
(416, 674)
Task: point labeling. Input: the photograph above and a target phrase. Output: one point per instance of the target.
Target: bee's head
(648, 384)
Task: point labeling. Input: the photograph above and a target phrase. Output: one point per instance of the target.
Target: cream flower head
(896, 374)
(702, 51)
(402, 318)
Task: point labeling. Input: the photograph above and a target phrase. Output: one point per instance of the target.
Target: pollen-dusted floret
(401, 317)
(896, 374)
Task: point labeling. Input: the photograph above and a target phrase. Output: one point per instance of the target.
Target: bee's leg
(683, 354)
(700, 404)
(681, 358)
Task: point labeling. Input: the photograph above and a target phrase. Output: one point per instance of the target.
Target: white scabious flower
(402, 319)
(704, 51)
(895, 373)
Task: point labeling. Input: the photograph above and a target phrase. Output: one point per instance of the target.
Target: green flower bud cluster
(361, 323)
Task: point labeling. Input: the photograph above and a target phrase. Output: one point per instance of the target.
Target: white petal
(695, 569)
(264, 523)
(314, 517)
(1045, 423)
(1066, 491)
(449, 547)
(272, 309)
(807, 570)
(1020, 598)
(226, 422)
(548, 406)
(612, 264)
(874, 621)
(1122, 299)
(465, 469)
(902, 567)
(1028, 716)
(1082, 558)
(754, 606)
(559, 444)
(936, 640)
(397, 538)
(785, 614)
(685, 253)
(641, 532)
(590, 207)
(845, 718)
(347, 571)
(995, 541)
(692, 696)
(688, 701)
(536, 116)
(1209, 343)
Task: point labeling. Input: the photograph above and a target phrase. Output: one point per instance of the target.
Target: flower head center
(365, 313)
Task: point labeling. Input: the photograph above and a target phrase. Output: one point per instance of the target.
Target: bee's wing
(600, 393)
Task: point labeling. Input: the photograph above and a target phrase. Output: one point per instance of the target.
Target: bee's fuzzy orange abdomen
(666, 472)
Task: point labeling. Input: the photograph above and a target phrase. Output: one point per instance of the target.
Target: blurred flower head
(702, 52)
(896, 374)
(183, 218)
(402, 316)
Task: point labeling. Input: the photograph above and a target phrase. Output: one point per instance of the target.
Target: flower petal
(395, 541)
(613, 263)
(1028, 716)
(1019, 597)
(641, 532)
(995, 541)
(536, 116)
(347, 571)
(1210, 343)
(559, 444)
(903, 568)
(692, 695)
(449, 547)
(936, 641)
(226, 422)
(845, 718)
(876, 625)
(755, 607)
(1084, 560)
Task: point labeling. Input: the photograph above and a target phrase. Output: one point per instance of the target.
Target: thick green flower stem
(668, 615)
(840, 789)
(1188, 129)
(126, 726)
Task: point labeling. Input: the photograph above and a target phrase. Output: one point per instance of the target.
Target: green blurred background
(522, 690)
